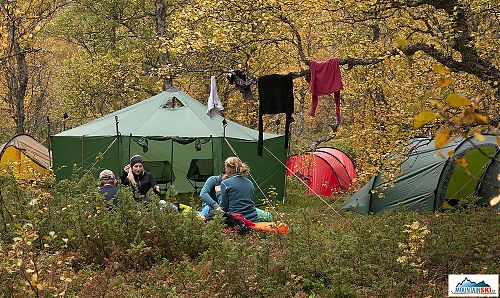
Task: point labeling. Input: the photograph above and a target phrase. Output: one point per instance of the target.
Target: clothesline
(276, 93)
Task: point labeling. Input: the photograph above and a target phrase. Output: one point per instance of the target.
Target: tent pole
(224, 124)
(213, 159)
(172, 153)
(118, 139)
(129, 140)
(83, 154)
(286, 157)
(48, 141)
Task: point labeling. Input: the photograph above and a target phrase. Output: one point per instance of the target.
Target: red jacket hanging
(325, 79)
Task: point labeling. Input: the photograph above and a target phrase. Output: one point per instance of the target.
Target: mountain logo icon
(469, 287)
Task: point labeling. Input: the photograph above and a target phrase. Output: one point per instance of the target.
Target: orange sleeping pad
(270, 227)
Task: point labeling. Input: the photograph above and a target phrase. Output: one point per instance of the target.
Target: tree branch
(296, 33)
(481, 69)
(21, 52)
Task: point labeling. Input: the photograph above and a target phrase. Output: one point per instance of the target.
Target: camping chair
(162, 171)
(199, 171)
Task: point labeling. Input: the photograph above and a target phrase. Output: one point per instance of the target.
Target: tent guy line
(284, 165)
(250, 174)
(97, 159)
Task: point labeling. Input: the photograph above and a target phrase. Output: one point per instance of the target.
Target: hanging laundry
(275, 96)
(240, 81)
(325, 79)
(214, 104)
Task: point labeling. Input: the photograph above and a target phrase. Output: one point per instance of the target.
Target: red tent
(325, 169)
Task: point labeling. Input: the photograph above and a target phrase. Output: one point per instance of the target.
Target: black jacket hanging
(275, 96)
(239, 79)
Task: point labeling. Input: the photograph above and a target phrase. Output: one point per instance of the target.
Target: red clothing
(325, 79)
(247, 222)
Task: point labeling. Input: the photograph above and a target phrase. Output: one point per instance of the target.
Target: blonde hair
(237, 166)
(131, 179)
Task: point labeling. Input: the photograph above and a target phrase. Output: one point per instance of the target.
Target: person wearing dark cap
(107, 186)
(140, 180)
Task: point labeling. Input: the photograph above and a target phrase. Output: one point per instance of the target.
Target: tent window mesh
(172, 103)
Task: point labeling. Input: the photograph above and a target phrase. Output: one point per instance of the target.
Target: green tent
(431, 179)
(178, 141)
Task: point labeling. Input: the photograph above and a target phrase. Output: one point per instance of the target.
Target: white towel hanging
(214, 104)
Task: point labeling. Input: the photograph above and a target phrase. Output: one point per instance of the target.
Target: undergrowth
(62, 239)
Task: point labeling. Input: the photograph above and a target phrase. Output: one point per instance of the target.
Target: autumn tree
(398, 58)
(387, 48)
(24, 78)
(116, 59)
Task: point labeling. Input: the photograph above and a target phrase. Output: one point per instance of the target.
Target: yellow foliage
(34, 279)
(443, 82)
(481, 119)
(457, 100)
(470, 116)
(462, 162)
(424, 117)
(495, 201)
(401, 42)
(442, 137)
(437, 103)
(207, 38)
(479, 136)
(440, 69)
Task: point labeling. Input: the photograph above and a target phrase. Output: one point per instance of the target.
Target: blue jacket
(207, 193)
(236, 196)
(109, 192)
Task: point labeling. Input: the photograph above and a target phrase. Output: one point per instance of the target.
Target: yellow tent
(27, 158)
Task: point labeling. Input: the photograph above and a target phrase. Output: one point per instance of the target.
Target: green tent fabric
(431, 179)
(490, 188)
(173, 127)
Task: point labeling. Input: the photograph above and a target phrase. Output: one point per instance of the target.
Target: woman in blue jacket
(236, 192)
(208, 194)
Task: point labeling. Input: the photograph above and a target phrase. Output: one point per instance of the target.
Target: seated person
(140, 180)
(107, 186)
(208, 194)
(236, 192)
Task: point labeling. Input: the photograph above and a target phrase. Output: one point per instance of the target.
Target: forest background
(85, 59)
(410, 68)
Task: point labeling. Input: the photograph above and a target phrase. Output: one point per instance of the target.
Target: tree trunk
(17, 80)
(300, 122)
(161, 29)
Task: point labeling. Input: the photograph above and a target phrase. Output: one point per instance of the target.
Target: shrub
(66, 239)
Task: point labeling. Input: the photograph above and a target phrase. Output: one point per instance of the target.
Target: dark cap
(136, 159)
